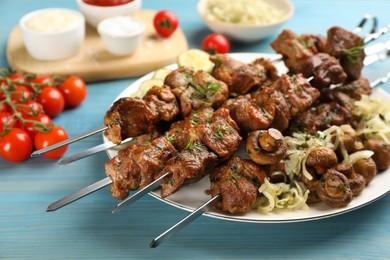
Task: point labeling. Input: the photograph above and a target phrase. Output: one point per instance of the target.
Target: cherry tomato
(22, 94)
(16, 146)
(216, 43)
(52, 100)
(43, 79)
(4, 107)
(165, 22)
(107, 2)
(45, 139)
(33, 128)
(7, 121)
(74, 91)
(29, 108)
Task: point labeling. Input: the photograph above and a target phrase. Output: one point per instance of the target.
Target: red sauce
(107, 2)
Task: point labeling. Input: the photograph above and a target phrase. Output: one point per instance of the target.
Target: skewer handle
(380, 81)
(184, 222)
(79, 194)
(68, 141)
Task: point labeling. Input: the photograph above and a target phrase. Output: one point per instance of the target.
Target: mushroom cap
(321, 156)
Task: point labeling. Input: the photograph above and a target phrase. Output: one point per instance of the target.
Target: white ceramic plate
(193, 195)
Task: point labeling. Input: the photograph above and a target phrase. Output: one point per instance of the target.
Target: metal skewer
(79, 194)
(68, 141)
(184, 222)
(142, 192)
(90, 151)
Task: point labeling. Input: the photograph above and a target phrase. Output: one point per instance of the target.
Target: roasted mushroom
(334, 189)
(352, 142)
(276, 172)
(381, 151)
(366, 168)
(357, 182)
(321, 159)
(266, 146)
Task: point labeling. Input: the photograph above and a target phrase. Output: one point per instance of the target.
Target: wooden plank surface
(93, 62)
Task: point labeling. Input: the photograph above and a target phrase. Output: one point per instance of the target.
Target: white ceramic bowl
(247, 33)
(53, 33)
(95, 14)
(121, 35)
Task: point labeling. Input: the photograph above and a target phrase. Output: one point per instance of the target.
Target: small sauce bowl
(94, 14)
(53, 33)
(121, 35)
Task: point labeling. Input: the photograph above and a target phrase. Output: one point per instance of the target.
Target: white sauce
(49, 21)
(246, 12)
(120, 26)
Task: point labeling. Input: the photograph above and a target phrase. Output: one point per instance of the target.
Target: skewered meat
(135, 166)
(221, 134)
(322, 117)
(297, 91)
(129, 117)
(189, 166)
(348, 48)
(237, 182)
(251, 114)
(354, 89)
(297, 49)
(325, 69)
(187, 129)
(196, 89)
(240, 77)
(266, 146)
(205, 138)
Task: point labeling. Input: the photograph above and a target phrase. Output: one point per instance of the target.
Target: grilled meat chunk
(241, 77)
(296, 49)
(190, 165)
(196, 89)
(130, 117)
(275, 107)
(354, 89)
(221, 134)
(297, 91)
(136, 165)
(237, 182)
(348, 48)
(187, 129)
(249, 115)
(322, 117)
(325, 69)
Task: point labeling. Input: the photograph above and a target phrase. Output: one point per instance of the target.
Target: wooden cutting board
(94, 63)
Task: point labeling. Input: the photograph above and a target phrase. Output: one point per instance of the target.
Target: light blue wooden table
(87, 229)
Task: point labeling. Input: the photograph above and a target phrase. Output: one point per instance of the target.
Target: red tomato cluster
(27, 105)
